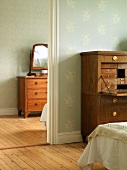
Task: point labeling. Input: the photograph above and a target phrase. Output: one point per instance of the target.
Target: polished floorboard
(19, 132)
(23, 146)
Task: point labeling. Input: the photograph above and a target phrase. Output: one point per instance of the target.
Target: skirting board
(8, 111)
(69, 137)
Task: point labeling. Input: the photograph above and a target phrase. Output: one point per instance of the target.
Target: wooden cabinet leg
(26, 114)
(19, 112)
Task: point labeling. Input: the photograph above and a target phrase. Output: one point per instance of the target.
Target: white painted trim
(53, 70)
(69, 137)
(53, 137)
(8, 111)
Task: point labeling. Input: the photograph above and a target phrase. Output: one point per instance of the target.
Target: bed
(107, 145)
(43, 118)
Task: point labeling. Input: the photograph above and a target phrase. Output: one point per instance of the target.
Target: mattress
(111, 151)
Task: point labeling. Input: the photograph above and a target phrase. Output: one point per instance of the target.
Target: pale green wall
(85, 25)
(22, 24)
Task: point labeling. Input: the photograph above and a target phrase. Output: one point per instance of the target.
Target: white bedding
(43, 117)
(111, 151)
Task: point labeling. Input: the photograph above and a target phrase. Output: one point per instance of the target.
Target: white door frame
(53, 76)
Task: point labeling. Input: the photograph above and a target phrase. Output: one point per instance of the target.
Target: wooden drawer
(111, 84)
(113, 114)
(36, 83)
(36, 105)
(122, 66)
(108, 65)
(37, 94)
(109, 76)
(120, 81)
(110, 87)
(106, 70)
(114, 58)
(109, 81)
(111, 101)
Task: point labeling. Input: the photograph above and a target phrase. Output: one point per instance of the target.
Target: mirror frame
(32, 58)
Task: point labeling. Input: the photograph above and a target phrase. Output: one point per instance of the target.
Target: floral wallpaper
(85, 25)
(22, 24)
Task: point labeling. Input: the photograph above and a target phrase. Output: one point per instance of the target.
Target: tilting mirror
(39, 57)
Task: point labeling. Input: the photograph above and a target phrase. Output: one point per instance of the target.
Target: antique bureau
(103, 89)
(32, 94)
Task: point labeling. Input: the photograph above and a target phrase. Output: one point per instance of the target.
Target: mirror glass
(39, 57)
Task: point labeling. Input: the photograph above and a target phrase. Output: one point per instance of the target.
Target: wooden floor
(20, 135)
(16, 131)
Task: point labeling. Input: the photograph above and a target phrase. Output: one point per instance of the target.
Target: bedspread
(112, 130)
(107, 145)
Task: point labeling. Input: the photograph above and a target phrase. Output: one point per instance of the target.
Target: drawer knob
(115, 100)
(35, 104)
(36, 82)
(114, 114)
(36, 93)
(114, 58)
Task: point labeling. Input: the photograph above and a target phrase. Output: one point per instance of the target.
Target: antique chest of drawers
(32, 94)
(103, 89)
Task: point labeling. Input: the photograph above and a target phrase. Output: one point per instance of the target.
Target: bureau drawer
(111, 84)
(113, 58)
(113, 114)
(120, 81)
(36, 105)
(108, 65)
(106, 70)
(122, 66)
(109, 76)
(36, 83)
(111, 101)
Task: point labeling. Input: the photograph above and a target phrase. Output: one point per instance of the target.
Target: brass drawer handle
(114, 58)
(115, 100)
(114, 114)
